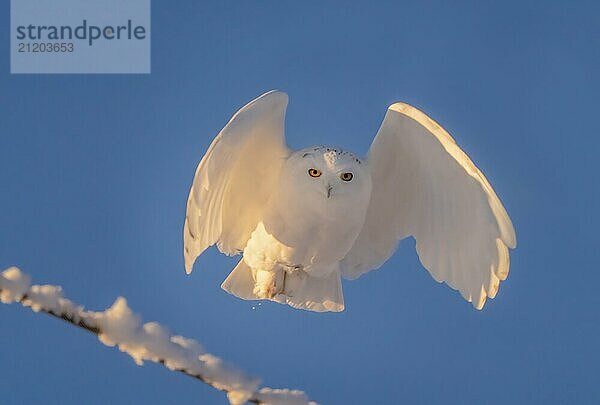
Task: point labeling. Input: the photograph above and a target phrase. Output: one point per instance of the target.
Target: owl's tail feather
(240, 282)
(319, 294)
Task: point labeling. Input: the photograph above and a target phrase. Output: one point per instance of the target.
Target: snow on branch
(120, 326)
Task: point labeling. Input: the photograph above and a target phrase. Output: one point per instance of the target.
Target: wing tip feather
(422, 118)
(271, 94)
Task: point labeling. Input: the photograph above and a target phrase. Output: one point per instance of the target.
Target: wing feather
(425, 186)
(235, 178)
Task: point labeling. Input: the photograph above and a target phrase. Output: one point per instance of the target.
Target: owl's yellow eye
(346, 176)
(314, 172)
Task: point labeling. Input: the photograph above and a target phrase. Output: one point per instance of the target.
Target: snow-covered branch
(120, 326)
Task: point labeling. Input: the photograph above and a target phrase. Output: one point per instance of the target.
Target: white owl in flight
(304, 219)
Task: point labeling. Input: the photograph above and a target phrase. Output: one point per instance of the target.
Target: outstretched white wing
(235, 178)
(424, 185)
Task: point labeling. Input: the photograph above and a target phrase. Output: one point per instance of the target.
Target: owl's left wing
(235, 178)
(425, 186)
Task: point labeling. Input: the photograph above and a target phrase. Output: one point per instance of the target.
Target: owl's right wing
(425, 186)
(235, 178)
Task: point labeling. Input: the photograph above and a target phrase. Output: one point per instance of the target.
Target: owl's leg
(268, 283)
(293, 281)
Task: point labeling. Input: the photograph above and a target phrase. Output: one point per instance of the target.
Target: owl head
(327, 176)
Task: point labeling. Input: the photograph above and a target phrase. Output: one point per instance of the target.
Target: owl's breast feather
(299, 238)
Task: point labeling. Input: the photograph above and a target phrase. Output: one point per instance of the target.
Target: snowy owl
(303, 219)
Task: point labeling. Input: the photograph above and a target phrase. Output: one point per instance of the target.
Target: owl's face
(328, 177)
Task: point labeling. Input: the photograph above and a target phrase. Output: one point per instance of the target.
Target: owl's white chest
(314, 237)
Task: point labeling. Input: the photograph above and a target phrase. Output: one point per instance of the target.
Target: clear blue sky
(95, 171)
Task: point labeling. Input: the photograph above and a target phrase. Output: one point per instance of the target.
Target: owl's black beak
(329, 188)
